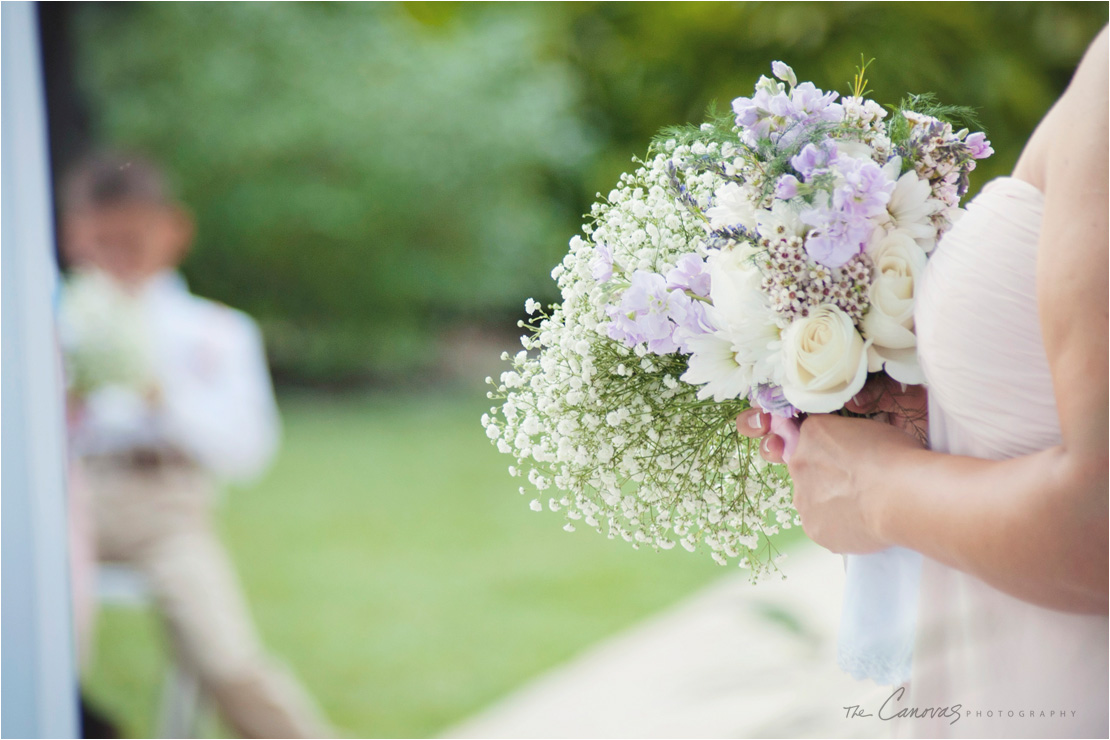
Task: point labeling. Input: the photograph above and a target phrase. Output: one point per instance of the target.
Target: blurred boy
(195, 406)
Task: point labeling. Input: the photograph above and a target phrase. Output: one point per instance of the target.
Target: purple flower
(690, 273)
(787, 187)
(601, 266)
(749, 110)
(864, 190)
(648, 312)
(660, 312)
(837, 235)
(693, 322)
(809, 106)
(771, 399)
(816, 104)
(813, 159)
(842, 228)
(978, 145)
(753, 115)
(772, 113)
(835, 245)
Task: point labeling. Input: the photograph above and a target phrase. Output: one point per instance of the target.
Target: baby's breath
(613, 440)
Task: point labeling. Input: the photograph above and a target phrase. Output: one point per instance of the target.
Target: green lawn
(390, 561)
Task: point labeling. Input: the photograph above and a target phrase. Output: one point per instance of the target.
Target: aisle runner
(732, 661)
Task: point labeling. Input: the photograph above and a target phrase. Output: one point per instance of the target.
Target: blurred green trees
(359, 174)
(366, 175)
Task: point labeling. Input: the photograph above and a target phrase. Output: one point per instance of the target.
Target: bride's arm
(1034, 526)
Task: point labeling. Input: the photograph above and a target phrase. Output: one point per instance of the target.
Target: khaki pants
(156, 518)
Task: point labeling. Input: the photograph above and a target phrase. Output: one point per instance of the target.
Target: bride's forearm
(1034, 527)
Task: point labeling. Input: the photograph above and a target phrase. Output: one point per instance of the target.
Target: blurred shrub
(363, 174)
(646, 65)
(359, 174)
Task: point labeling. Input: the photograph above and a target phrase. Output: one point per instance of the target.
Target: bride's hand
(839, 478)
(904, 407)
(837, 464)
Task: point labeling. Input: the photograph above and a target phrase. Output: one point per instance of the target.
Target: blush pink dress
(1015, 669)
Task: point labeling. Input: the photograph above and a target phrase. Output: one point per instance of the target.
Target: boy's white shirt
(217, 402)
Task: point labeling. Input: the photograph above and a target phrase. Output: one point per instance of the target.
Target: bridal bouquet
(101, 330)
(768, 257)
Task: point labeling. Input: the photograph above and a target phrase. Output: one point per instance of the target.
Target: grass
(389, 560)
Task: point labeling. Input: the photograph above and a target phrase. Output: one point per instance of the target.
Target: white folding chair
(119, 585)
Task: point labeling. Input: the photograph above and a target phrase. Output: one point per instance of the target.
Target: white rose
(825, 361)
(731, 208)
(734, 280)
(888, 323)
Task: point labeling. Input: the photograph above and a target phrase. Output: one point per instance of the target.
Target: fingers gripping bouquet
(766, 258)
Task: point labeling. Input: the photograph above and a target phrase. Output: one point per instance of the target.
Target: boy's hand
(153, 395)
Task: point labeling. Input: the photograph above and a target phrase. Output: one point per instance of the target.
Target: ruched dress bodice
(1016, 669)
(979, 333)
